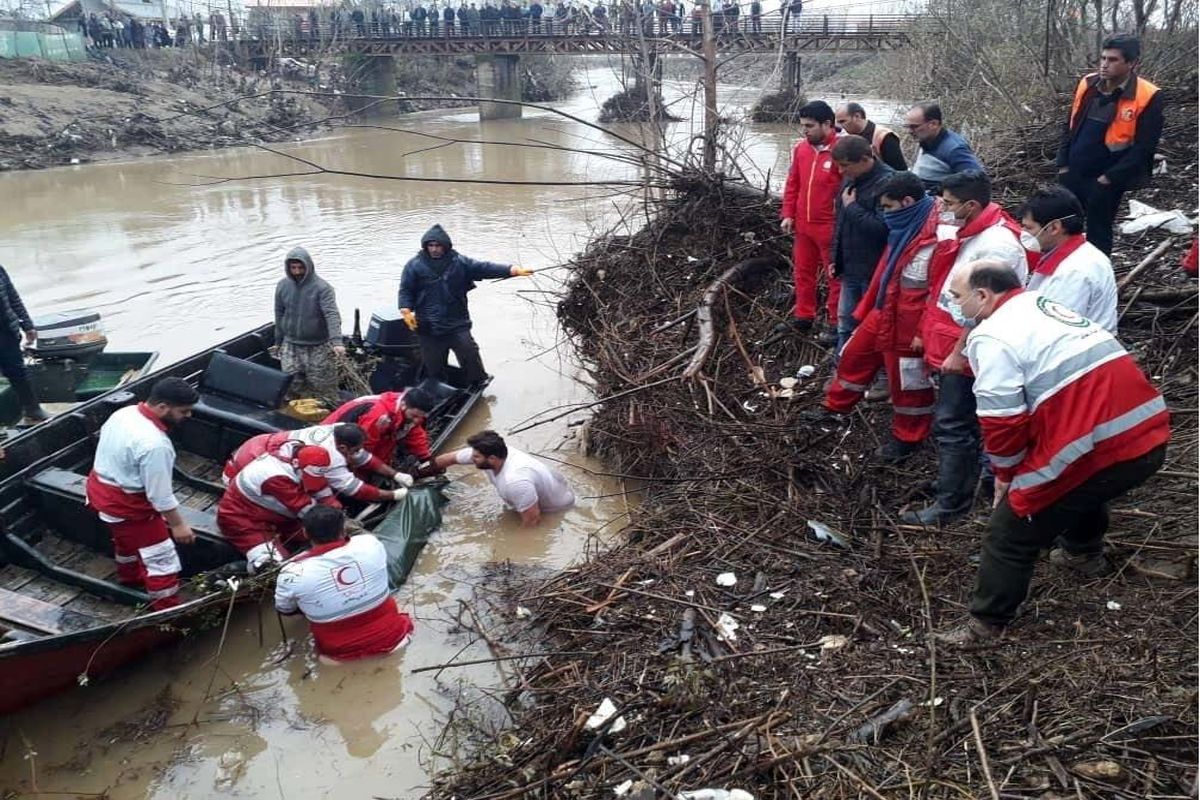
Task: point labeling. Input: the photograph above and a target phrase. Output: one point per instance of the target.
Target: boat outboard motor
(77, 335)
(388, 337)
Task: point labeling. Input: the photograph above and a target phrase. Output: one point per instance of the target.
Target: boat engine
(388, 337)
(76, 335)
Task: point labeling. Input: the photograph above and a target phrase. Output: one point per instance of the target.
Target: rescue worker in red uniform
(389, 419)
(809, 197)
(341, 587)
(889, 315)
(1069, 422)
(130, 487)
(344, 444)
(260, 511)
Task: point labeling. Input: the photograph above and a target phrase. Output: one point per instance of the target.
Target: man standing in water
(525, 484)
(433, 302)
(308, 329)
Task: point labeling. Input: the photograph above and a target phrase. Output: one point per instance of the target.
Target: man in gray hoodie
(308, 329)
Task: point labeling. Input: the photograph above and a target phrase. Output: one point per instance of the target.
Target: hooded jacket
(436, 289)
(306, 311)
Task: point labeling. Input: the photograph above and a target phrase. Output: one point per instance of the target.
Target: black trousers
(1100, 204)
(12, 366)
(1078, 521)
(435, 350)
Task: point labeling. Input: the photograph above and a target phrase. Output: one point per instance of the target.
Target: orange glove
(519, 272)
(410, 319)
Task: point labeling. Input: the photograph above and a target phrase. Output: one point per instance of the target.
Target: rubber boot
(958, 472)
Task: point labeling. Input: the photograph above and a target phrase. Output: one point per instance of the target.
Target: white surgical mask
(961, 319)
(1030, 242)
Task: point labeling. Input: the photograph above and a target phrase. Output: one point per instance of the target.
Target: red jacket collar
(1050, 261)
(990, 215)
(145, 411)
(322, 549)
(1004, 298)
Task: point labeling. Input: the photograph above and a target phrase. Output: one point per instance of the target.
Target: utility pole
(711, 120)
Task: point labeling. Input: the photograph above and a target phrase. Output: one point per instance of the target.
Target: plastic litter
(776, 595)
(727, 628)
(727, 579)
(603, 713)
(716, 794)
(622, 789)
(679, 760)
(1144, 217)
(758, 609)
(834, 641)
(807, 371)
(787, 383)
(826, 534)
(523, 612)
(1113, 605)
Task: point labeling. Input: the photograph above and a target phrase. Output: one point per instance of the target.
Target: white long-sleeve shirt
(136, 455)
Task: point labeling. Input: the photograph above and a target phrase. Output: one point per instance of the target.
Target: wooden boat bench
(61, 496)
(21, 611)
(244, 394)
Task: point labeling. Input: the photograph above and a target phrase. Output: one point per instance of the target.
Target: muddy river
(176, 261)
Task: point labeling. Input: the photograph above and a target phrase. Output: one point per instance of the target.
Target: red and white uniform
(382, 418)
(260, 511)
(130, 487)
(1059, 399)
(340, 474)
(342, 589)
(884, 338)
(1079, 275)
(992, 235)
(809, 198)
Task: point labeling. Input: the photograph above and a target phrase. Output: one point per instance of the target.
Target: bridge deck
(842, 33)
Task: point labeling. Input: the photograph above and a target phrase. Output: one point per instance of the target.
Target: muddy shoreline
(763, 626)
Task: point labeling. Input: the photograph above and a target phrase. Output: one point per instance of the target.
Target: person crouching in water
(341, 588)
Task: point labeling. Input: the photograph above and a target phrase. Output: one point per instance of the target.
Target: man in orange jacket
(809, 197)
(1108, 143)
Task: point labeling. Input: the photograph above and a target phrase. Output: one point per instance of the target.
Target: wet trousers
(315, 371)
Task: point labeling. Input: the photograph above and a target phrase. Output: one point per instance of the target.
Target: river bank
(127, 103)
(763, 625)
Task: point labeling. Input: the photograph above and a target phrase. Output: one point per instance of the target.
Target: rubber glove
(410, 319)
(399, 494)
(404, 479)
(518, 271)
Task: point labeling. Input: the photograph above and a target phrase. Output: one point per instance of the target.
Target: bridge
(497, 45)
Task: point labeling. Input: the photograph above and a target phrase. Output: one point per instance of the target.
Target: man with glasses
(1071, 271)
(942, 152)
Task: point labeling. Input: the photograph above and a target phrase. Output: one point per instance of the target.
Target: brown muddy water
(177, 266)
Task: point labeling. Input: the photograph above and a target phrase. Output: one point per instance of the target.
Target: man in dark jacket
(859, 234)
(433, 302)
(1109, 140)
(308, 329)
(12, 362)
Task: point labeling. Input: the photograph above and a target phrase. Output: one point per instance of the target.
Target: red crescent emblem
(337, 576)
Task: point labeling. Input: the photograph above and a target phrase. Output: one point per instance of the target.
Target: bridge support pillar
(790, 77)
(498, 77)
(376, 76)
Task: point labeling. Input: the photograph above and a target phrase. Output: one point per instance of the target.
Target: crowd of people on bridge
(113, 29)
(993, 333)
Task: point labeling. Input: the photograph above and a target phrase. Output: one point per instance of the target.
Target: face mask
(948, 218)
(961, 319)
(1030, 242)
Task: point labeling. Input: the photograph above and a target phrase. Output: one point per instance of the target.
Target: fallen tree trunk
(704, 313)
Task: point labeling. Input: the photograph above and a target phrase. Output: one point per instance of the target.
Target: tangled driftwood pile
(765, 626)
